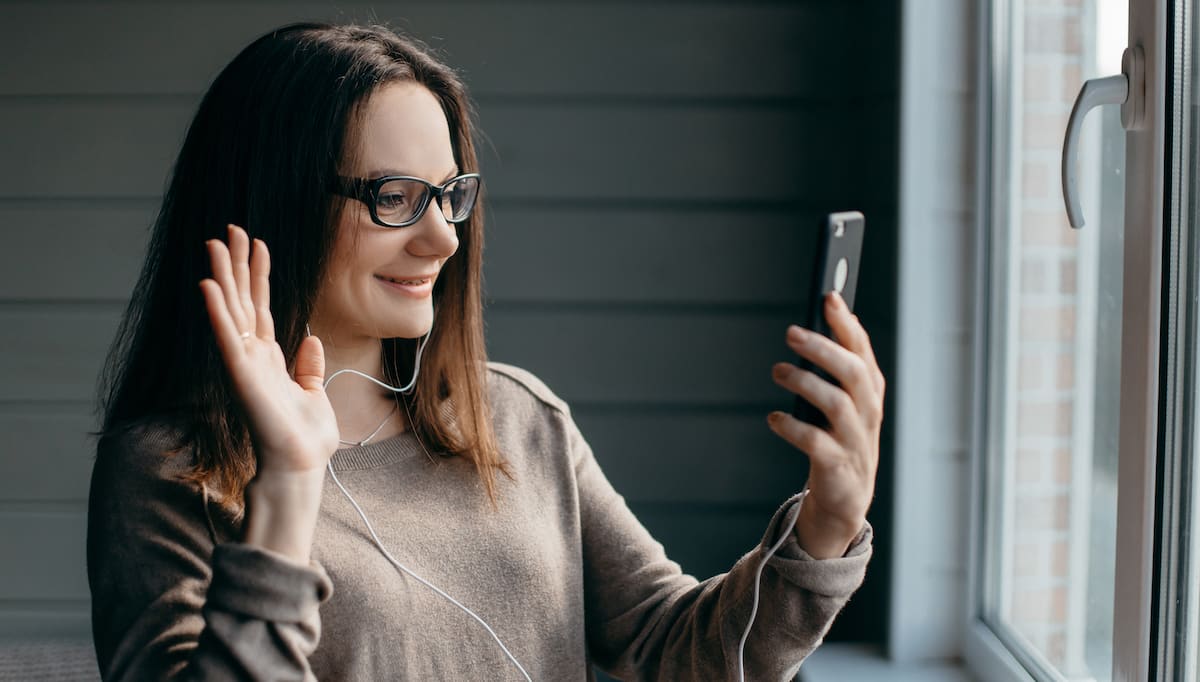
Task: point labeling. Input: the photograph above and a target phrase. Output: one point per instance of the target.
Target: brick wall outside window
(1045, 313)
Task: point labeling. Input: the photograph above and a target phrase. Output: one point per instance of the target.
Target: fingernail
(795, 334)
(779, 371)
(773, 418)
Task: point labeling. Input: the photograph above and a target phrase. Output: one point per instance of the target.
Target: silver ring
(245, 335)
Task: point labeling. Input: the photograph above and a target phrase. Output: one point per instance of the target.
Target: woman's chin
(410, 329)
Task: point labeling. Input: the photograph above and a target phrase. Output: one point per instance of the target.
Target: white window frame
(987, 655)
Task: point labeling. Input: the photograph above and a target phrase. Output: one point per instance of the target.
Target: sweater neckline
(389, 450)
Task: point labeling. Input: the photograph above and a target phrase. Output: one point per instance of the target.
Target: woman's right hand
(291, 421)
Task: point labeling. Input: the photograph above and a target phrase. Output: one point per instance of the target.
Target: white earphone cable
(407, 388)
(375, 537)
(741, 652)
(423, 581)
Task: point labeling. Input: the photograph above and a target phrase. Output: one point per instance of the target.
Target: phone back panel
(837, 270)
(838, 255)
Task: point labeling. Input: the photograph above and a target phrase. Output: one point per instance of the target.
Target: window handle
(1128, 90)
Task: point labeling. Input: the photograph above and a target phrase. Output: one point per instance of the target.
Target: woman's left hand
(844, 458)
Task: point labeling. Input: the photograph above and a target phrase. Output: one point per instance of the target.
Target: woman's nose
(435, 236)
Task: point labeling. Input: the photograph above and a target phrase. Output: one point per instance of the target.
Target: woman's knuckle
(840, 407)
(859, 369)
(874, 413)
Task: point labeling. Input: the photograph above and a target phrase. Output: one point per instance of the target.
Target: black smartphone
(836, 269)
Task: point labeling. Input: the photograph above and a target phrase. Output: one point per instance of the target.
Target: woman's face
(404, 132)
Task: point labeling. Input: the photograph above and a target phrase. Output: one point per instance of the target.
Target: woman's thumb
(310, 364)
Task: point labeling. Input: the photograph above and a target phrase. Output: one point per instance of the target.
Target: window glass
(1055, 345)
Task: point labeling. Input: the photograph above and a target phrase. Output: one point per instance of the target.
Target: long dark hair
(264, 147)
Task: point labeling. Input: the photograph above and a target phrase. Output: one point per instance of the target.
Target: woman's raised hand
(843, 459)
(291, 421)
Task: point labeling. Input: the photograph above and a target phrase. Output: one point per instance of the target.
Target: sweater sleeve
(168, 600)
(646, 620)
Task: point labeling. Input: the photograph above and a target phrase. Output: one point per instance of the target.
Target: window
(1055, 347)
(1086, 568)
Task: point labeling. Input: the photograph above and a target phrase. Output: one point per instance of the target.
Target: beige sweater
(562, 570)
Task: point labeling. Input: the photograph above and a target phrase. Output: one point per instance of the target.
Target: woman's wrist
(824, 536)
(281, 512)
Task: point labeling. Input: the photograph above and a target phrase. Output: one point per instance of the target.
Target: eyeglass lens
(399, 201)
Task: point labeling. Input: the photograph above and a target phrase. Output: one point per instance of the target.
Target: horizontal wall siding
(637, 357)
(653, 50)
(534, 152)
(48, 454)
(43, 570)
(602, 254)
(63, 624)
(652, 168)
(747, 474)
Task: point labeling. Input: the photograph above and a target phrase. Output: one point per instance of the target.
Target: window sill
(866, 663)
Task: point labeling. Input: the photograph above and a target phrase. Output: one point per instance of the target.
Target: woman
(471, 532)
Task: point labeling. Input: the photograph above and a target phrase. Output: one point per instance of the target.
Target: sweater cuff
(260, 584)
(837, 576)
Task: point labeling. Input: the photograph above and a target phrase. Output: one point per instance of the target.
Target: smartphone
(835, 269)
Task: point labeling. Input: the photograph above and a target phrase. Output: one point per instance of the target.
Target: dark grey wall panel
(88, 251)
(22, 620)
(705, 539)
(44, 555)
(616, 152)
(648, 357)
(657, 154)
(649, 455)
(106, 147)
(53, 353)
(720, 457)
(527, 48)
(684, 357)
(47, 453)
(724, 256)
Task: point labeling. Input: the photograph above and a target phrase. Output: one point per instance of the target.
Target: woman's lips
(415, 287)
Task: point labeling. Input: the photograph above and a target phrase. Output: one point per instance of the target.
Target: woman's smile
(416, 287)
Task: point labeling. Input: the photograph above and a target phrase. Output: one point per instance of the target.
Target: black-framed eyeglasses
(401, 200)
